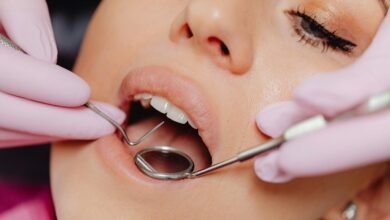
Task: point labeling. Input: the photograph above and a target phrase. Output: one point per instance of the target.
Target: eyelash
(312, 32)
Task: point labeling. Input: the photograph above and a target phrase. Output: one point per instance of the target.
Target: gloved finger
(275, 119)
(350, 144)
(336, 92)
(266, 168)
(23, 115)
(24, 76)
(10, 138)
(9, 135)
(27, 23)
(24, 143)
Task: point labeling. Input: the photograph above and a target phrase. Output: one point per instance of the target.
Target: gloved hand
(40, 101)
(345, 145)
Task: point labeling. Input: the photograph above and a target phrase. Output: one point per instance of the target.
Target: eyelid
(318, 35)
(329, 16)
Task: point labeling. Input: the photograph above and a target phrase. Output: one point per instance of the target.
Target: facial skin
(265, 62)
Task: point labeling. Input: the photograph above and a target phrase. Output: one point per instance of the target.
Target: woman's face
(220, 62)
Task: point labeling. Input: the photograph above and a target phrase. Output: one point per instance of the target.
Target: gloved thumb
(27, 23)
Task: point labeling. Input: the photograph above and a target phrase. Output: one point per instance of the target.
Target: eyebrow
(385, 5)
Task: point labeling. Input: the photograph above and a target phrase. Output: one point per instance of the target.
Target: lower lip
(115, 155)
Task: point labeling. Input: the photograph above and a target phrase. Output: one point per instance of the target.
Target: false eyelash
(314, 33)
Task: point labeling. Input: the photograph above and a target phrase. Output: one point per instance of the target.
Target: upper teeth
(164, 106)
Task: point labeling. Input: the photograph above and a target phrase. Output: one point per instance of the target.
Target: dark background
(69, 19)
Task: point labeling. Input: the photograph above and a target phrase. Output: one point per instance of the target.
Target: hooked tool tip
(120, 128)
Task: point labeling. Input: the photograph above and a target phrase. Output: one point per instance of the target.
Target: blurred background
(70, 19)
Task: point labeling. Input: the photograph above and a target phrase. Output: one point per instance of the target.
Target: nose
(219, 30)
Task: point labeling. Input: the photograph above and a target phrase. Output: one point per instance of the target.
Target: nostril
(187, 30)
(221, 45)
(224, 49)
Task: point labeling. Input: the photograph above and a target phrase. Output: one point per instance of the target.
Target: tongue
(174, 135)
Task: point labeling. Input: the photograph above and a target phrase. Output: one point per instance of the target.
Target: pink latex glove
(350, 144)
(27, 202)
(40, 101)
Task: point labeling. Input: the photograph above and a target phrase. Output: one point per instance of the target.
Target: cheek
(241, 98)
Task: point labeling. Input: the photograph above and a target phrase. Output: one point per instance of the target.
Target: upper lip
(179, 90)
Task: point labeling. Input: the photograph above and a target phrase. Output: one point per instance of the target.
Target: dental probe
(8, 43)
(375, 104)
(119, 127)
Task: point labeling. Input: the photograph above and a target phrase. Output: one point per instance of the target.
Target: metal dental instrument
(119, 127)
(8, 43)
(374, 104)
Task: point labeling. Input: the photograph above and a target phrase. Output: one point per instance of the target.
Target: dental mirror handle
(242, 156)
(374, 104)
(311, 124)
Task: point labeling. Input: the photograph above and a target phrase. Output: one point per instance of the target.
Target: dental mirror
(165, 163)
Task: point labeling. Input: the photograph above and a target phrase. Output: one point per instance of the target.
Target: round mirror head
(164, 163)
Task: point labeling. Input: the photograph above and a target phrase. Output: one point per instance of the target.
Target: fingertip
(268, 120)
(81, 92)
(101, 126)
(275, 119)
(268, 170)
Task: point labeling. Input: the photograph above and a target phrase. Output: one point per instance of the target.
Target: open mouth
(178, 131)
(149, 99)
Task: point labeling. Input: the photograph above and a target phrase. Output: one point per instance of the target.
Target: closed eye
(311, 32)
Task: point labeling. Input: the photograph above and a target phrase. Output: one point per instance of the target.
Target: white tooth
(177, 115)
(143, 96)
(191, 124)
(147, 96)
(137, 97)
(160, 104)
(145, 103)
